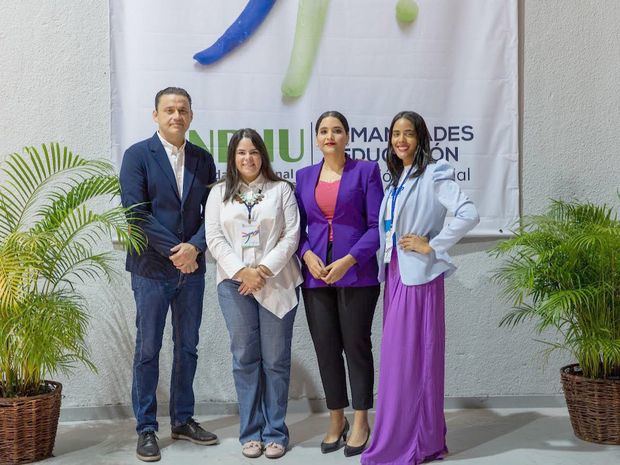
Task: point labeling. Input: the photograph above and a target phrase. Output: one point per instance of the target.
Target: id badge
(249, 236)
(389, 241)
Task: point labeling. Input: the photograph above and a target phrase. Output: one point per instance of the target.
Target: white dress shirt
(277, 217)
(176, 157)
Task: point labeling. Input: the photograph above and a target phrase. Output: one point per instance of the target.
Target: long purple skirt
(410, 427)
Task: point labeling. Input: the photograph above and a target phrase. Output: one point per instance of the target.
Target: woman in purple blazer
(339, 202)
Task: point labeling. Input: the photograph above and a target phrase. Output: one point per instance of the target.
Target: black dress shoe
(327, 447)
(350, 451)
(147, 449)
(192, 431)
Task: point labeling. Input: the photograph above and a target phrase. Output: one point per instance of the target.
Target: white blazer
(277, 217)
(421, 209)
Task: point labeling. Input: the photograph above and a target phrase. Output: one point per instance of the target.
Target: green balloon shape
(310, 20)
(407, 11)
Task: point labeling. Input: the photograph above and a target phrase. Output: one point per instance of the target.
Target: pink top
(326, 194)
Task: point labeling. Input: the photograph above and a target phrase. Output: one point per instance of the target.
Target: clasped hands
(337, 269)
(330, 273)
(184, 257)
(252, 278)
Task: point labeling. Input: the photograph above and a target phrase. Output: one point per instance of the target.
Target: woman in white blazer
(409, 425)
(252, 231)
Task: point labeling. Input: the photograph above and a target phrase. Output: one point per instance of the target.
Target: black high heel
(350, 451)
(327, 447)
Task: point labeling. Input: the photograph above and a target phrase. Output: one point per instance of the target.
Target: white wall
(54, 75)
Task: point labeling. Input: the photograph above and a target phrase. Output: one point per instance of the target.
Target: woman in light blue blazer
(409, 425)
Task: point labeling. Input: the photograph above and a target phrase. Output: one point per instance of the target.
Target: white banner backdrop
(455, 64)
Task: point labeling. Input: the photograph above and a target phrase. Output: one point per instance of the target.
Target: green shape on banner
(268, 138)
(195, 139)
(407, 11)
(284, 145)
(310, 20)
(223, 135)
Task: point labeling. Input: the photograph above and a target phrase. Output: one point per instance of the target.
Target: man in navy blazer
(168, 180)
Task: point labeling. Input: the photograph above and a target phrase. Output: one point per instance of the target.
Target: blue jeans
(260, 343)
(184, 295)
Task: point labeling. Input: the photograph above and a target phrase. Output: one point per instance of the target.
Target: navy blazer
(167, 218)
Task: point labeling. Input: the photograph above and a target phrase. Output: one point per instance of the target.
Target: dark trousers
(183, 295)
(340, 319)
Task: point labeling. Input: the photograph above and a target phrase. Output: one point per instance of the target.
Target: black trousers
(340, 319)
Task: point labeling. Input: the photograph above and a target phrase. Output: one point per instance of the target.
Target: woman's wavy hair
(422, 157)
(233, 178)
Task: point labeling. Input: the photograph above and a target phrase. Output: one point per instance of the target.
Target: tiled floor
(497, 437)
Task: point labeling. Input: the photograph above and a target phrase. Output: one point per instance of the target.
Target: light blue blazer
(423, 203)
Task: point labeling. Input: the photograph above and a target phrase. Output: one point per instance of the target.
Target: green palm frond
(45, 335)
(562, 270)
(518, 315)
(18, 262)
(57, 212)
(520, 270)
(33, 178)
(64, 203)
(580, 213)
(8, 216)
(82, 266)
(79, 233)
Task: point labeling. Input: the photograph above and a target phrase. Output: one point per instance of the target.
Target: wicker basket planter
(593, 406)
(28, 426)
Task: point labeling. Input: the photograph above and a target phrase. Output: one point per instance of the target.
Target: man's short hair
(173, 91)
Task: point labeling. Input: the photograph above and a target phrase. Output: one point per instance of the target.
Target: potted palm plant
(562, 269)
(55, 214)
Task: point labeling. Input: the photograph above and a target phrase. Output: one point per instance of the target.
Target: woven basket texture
(28, 426)
(593, 406)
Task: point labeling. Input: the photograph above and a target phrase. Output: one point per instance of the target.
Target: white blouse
(277, 218)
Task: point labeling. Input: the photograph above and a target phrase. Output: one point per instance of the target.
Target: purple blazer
(355, 222)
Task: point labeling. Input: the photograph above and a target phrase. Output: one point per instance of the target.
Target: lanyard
(249, 208)
(396, 192)
(250, 201)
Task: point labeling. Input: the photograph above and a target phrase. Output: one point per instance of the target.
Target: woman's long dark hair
(233, 179)
(422, 157)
